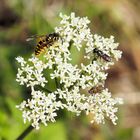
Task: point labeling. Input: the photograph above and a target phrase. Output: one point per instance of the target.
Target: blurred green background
(20, 19)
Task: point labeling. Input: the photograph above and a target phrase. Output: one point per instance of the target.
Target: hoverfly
(96, 89)
(102, 55)
(44, 41)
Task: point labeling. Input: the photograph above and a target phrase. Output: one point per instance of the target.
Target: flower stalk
(25, 133)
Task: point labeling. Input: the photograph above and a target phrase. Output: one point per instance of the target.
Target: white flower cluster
(31, 73)
(70, 79)
(40, 108)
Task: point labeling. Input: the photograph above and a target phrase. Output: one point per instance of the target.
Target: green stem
(44, 89)
(56, 80)
(25, 132)
(70, 45)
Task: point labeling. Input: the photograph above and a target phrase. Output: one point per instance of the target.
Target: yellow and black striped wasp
(44, 41)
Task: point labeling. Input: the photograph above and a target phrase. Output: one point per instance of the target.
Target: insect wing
(29, 39)
(106, 58)
(36, 37)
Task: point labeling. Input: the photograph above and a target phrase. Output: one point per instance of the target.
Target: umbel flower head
(71, 80)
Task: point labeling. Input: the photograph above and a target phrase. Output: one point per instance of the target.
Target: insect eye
(40, 42)
(50, 35)
(95, 50)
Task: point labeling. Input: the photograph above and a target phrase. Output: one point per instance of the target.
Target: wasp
(102, 55)
(96, 89)
(44, 41)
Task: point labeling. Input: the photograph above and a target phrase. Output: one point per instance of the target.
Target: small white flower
(21, 60)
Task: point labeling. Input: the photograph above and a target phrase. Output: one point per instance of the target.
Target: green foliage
(13, 44)
(52, 132)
